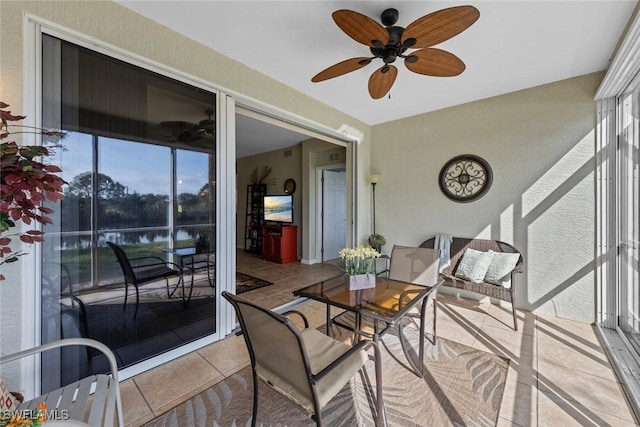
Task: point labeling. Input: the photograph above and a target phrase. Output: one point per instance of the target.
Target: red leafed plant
(25, 184)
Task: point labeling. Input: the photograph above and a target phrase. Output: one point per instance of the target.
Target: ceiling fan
(391, 42)
(191, 132)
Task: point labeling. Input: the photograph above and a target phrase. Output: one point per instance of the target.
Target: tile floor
(559, 374)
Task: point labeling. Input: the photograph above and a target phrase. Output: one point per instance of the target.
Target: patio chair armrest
(304, 319)
(175, 265)
(361, 345)
(147, 257)
(77, 299)
(87, 342)
(159, 262)
(432, 289)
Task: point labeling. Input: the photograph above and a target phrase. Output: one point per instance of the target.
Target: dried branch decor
(260, 176)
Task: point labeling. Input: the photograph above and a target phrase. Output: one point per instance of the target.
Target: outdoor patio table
(186, 258)
(386, 305)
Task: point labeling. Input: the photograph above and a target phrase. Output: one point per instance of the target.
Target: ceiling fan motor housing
(394, 47)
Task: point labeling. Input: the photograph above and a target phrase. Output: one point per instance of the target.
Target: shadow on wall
(556, 196)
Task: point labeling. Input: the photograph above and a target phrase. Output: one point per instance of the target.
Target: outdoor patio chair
(75, 401)
(59, 298)
(418, 266)
(306, 366)
(147, 269)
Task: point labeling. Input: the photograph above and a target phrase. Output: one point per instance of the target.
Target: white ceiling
(255, 137)
(514, 45)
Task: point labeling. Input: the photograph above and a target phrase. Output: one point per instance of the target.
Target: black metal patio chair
(145, 270)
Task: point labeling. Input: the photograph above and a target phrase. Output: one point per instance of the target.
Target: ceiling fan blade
(380, 82)
(435, 62)
(341, 68)
(361, 28)
(439, 26)
(178, 124)
(187, 136)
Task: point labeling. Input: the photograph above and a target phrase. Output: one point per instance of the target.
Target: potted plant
(376, 241)
(25, 185)
(359, 265)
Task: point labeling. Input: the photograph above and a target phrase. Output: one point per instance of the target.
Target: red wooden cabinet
(280, 243)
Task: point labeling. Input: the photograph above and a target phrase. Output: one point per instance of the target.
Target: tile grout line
(143, 398)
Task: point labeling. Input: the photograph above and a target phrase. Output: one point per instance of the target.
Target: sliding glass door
(139, 159)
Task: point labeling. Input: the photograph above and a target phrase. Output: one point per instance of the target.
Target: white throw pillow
(474, 265)
(499, 272)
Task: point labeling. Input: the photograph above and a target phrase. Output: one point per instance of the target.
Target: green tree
(108, 189)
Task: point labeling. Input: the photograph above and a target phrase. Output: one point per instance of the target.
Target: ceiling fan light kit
(390, 42)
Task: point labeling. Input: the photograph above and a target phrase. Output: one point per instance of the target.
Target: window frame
(612, 212)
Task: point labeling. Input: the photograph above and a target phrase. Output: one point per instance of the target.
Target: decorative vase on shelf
(361, 281)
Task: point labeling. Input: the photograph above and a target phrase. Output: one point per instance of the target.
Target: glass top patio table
(389, 302)
(187, 260)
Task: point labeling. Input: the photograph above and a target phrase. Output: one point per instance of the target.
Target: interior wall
(540, 144)
(284, 166)
(316, 153)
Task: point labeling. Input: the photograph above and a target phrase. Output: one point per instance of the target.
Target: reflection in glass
(139, 160)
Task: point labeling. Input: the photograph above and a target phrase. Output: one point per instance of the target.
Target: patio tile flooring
(558, 375)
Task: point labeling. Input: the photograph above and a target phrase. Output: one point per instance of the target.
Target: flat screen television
(278, 208)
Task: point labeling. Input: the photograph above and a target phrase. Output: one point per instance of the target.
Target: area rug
(246, 283)
(462, 387)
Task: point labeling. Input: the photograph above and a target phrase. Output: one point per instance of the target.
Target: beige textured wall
(540, 143)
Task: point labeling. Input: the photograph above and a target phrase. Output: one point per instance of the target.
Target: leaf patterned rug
(462, 387)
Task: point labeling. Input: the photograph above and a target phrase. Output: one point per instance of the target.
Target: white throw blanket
(442, 244)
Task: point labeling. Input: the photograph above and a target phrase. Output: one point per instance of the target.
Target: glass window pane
(629, 221)
(195, 217)
(134, 182)
(75, 158)
(195, 174)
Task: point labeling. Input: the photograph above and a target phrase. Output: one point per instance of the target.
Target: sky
(143, 168)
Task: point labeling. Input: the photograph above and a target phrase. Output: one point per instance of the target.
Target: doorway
(332, 209)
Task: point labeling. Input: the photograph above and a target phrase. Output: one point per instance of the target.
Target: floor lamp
(374, 179)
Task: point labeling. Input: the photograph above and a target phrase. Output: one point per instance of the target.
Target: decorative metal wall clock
(465, 178)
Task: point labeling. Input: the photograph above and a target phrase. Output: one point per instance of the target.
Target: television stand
(280, 243)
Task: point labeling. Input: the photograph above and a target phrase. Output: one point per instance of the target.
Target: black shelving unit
(254, 218)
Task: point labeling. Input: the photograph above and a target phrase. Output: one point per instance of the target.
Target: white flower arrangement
(359, 260)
